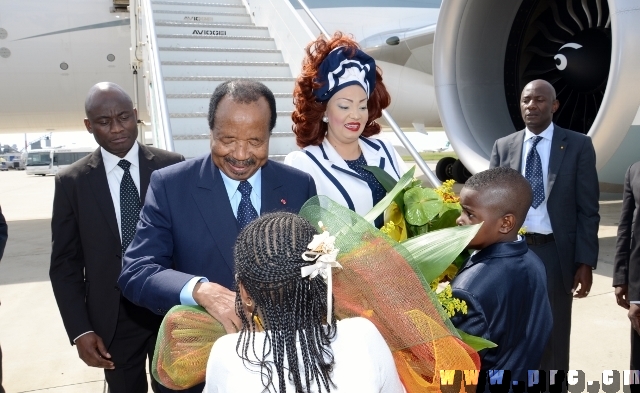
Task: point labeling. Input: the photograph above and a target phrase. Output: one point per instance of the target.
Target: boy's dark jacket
(505, 288)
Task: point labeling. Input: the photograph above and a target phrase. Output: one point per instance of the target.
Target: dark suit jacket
(187, 228)
(4, 234)
(627, 260)
(86, 249)
(572, 194)
(513, 313)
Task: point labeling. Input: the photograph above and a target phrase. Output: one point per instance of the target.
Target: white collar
(369, 153)
(231, 185)
(546, 134)
(111, 161)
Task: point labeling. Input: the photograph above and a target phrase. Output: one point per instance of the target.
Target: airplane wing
(411, 48)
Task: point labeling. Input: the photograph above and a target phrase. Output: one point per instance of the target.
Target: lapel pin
(561, 147)
(283, 201)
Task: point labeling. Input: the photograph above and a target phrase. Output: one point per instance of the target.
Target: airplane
(467, 76)
(485, 51)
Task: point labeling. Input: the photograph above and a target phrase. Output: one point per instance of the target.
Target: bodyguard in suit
(4, 234)
(95, 210)
(626, 276)
(182, 252)
(562, 223)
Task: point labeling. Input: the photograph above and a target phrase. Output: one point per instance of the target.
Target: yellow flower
(396, 227)
(446, 192)
(450, 304)
(522, 231)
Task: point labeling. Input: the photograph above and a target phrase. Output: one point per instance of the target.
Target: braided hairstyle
(291, 308)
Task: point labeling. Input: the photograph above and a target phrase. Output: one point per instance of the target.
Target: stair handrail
(156, 79)
(433, 179)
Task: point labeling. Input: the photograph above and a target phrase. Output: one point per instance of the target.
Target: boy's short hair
(505, 190)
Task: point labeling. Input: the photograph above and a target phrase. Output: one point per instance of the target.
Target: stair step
(197, 137)
(185, 115)
(207, 84)
(192, 125)
(193, 29)
(225, 41)
(199, 7)
(199, 102)
(279, 147)
(208, 95)
(174, 23)
(234, 3)
(224, 68)
(203, 16)
(219, 54)
(196, 124)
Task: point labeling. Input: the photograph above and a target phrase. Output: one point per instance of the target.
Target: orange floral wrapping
(182, 349)
(382, 287)
(377, 282)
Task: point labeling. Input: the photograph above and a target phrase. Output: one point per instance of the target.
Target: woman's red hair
(307, 116)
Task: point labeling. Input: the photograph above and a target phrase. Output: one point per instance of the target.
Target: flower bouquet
(382, 279)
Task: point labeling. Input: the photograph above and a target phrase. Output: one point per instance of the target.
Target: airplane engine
(486, 51)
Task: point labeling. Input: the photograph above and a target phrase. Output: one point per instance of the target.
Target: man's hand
(634, 316)
(92, 351)
(220, 303)
(621, 296)
(584, 277)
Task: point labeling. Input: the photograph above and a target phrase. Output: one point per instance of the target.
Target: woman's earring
(325, 119)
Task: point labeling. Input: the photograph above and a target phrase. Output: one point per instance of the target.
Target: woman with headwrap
(338, 97)
(289, 341)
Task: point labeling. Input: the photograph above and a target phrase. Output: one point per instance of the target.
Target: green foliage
(421, 205)
(434, 251)
(385, 179)
(386, 201)
(475, 342)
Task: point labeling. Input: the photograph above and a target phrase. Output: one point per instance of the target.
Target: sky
(73, 138)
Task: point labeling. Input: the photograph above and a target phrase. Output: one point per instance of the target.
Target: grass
(432, 156)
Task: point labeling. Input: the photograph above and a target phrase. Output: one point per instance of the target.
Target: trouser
(1, 388)
(133, 343)
(556, 352)
(635, 357)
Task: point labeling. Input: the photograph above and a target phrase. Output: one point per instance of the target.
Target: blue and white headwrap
(338, 71)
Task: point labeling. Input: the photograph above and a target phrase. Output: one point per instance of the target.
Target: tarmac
(37, 356)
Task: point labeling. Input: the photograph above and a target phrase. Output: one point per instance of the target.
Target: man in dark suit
(4, 234)
(562, 223)
(183, 249)
(95, 210)
(626, 276)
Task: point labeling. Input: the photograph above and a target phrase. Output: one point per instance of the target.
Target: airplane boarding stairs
(202, 44)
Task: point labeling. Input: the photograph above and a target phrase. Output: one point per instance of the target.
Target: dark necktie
(533, 173)
(246, 211)
(129, 205)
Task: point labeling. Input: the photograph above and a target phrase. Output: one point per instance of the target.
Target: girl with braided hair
(338, 97)
(288, 341)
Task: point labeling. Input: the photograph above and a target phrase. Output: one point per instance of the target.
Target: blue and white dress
(336, 178)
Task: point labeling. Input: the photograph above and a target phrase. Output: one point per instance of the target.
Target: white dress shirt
(186, 293)
(537, 220)
(114, 177)
(235, 196)
(115, 174)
